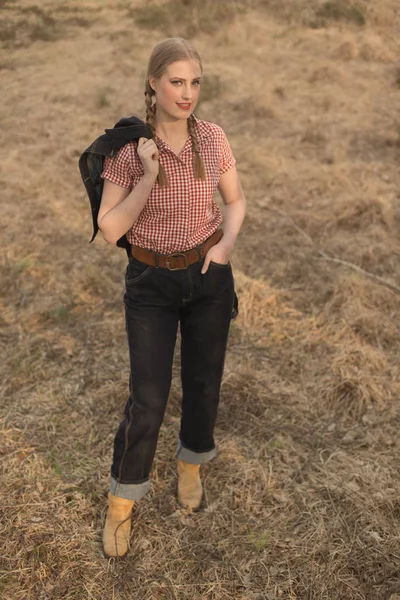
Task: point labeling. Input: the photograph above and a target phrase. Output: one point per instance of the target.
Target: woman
(159, 192)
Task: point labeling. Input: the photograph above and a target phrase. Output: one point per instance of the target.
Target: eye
(174, 82)
(196, 82)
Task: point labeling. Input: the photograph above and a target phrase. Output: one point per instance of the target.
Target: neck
(168, 128)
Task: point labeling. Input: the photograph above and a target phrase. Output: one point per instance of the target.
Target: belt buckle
(173, 256)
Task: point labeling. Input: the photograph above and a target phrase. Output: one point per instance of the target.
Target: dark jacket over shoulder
(91, 162)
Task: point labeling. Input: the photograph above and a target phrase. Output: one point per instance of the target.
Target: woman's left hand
(219, 253)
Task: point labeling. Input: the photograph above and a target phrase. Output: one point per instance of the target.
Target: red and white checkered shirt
(183, 214)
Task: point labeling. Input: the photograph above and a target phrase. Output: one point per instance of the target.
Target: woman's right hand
(148, 154)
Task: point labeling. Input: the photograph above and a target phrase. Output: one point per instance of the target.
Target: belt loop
(156, 261)
(198, 252)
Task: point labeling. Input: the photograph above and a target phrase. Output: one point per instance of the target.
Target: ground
(302, 501)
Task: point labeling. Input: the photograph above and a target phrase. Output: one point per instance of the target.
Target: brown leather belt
(178, 260)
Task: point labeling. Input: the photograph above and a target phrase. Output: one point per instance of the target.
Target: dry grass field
(303, 500)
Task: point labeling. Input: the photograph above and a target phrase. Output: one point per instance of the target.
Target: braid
(150, 120)
(198, 165)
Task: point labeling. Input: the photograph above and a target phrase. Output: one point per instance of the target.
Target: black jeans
(156, 300)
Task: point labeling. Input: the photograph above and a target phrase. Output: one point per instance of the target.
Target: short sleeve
(227, 160)
(118, 168)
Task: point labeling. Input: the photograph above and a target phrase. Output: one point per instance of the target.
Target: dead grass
(303, 500)
(188, 17)
(21, 26)
(339, 10)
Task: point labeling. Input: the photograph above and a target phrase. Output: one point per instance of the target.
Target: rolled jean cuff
(129, 491)
(194, 458)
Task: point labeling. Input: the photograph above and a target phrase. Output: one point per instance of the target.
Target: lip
(184, 106)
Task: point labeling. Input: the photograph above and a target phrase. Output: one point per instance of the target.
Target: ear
(153, 83)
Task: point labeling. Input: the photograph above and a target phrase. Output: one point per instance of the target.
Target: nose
(187, 92)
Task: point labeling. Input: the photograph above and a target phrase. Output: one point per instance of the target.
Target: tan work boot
(190, 491)
(117, 528)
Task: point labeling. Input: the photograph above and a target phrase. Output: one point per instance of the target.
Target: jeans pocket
(220, 265)
(136, 270)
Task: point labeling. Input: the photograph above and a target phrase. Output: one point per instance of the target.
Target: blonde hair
(163, 54)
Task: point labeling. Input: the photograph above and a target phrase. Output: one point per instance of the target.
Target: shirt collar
(203, 133)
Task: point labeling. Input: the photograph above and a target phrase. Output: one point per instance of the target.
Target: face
(177, 90)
